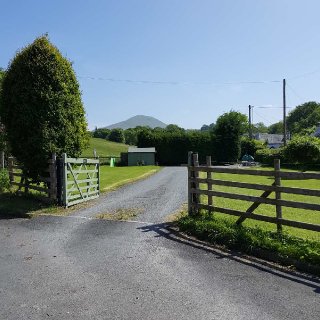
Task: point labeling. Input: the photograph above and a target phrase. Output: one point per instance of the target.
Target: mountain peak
(138, 120)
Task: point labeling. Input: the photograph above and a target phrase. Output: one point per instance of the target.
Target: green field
(268, 210)
(104, 148)
(111, 178)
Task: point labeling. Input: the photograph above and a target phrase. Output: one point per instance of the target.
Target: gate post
(2, 160)
(196, 196)
(189, 183)
(277, 180)
(53, 177)
(10, 169)
(64, 179)
(209, 183)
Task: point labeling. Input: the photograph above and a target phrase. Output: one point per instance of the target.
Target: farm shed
(141, 156)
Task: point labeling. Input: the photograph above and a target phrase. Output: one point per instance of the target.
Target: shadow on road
(13, 206)
(167, 231)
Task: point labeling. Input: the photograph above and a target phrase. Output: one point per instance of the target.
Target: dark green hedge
(172, 148)
(41, 107)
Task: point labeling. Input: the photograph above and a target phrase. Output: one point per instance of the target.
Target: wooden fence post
(98, 174)
(190, 173)
(277, 181)
(10, 169)
(64, 179)
(209, 176)
(1, 159)
(52, 192)
(196, 197)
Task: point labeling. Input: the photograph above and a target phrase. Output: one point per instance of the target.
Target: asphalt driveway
(154, 198)
(78, 267)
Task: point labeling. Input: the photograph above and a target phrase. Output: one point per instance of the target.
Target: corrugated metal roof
(141, 150)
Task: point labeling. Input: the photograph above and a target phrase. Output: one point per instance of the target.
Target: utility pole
(284, 114)
(250, 124)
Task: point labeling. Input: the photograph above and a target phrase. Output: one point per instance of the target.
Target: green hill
(138, 121)
(104, 148)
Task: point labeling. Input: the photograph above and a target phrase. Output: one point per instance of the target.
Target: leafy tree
(226, 136)
(206, 127)
(276, 128)
(259, 127)
(116, 135)
(102, 133)
(303, 117)
(41, 107)
(174, 128)
(131, 136)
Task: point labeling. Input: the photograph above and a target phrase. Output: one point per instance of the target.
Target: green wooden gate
(80, 180)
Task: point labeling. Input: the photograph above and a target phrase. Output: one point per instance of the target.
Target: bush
(303, 150)
(267, 156)
(227, 134)
(4, 180)
(251, 146)
(41, 107)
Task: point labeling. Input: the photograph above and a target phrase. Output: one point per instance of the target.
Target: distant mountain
(138, 121)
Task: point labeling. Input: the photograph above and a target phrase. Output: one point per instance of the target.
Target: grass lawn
(268, 210)
(111, 178)
(104, 148)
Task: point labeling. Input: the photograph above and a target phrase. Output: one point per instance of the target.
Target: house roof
(141, 150)
(271, 138)
(317, 132)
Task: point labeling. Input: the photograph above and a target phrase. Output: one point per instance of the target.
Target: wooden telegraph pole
(250, 124)
(284, 114)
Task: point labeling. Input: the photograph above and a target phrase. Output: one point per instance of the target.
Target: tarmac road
(82, 268)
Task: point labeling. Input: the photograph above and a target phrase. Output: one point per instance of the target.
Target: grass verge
(285, 248)
(13, 205)
(120, 214)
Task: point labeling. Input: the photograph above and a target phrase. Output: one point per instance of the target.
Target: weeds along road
(82, 268)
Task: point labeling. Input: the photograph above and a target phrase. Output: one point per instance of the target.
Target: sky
(182, 61)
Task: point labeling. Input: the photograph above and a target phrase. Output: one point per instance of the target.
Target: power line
(265, 119)
(178, 82)
(295, 92)
(305, 74)
(266, 107)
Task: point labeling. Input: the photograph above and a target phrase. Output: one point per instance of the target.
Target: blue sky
(193, 57)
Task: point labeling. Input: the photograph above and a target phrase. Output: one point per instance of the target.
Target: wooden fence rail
(195, 192)
(49, 187)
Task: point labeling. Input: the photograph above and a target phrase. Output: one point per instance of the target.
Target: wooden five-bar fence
(46, 184)
(195, 202)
